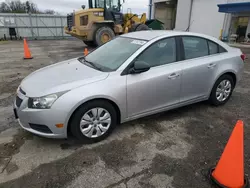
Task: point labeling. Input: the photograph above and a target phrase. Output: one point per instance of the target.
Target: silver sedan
(132, 76)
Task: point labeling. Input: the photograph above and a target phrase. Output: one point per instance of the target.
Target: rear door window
(195, 47)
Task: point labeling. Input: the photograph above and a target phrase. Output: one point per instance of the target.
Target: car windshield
(110, 56)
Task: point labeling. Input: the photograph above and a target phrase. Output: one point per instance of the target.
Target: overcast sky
(67, 6)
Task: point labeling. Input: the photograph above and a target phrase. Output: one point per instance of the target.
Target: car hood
(60, 77)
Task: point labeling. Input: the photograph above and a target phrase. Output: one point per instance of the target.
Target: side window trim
(221, 48)
(218, 48)
(208, 50)
(179, 49)
(209, 53)
(182, 51)
(125, 71)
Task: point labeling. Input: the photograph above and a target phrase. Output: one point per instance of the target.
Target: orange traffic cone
(27, 54)
(86, 51)
(229, 172)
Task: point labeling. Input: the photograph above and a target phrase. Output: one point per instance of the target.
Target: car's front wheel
(222, 90)
(93, 121)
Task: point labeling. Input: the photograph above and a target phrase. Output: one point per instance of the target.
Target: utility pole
(150, 8)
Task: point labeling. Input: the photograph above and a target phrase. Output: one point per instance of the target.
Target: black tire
(77, 116)
(142, 27)
(138, 27)
(90, 43)
(102, 31)
(133, 27)
(213, 99)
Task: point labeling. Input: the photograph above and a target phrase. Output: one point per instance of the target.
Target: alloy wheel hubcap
(223, 90)
(95, 122)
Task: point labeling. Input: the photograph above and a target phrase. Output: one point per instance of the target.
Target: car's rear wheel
(94, 121)
(222, 90)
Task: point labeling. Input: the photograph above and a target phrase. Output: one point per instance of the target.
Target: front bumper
(48, 117)
(47, 135)
(84, 34)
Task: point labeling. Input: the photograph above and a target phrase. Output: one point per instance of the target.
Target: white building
(218, 18)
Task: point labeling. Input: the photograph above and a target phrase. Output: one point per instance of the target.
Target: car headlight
(44, 102)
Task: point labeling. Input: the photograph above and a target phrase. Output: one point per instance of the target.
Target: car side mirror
(139, 67)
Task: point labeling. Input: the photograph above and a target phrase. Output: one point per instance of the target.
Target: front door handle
(211, 65)
(173, 76)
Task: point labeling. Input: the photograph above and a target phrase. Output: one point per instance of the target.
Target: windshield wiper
(92, 64)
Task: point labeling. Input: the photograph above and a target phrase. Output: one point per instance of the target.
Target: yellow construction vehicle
(102, 21)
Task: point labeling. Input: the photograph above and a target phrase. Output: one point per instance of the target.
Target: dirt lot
(172, 149)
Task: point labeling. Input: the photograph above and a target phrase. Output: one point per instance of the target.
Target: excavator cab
(111, 9)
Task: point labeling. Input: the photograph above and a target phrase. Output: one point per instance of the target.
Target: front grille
(84, 20)
(40, 128)
(70, 21)
(18, 101)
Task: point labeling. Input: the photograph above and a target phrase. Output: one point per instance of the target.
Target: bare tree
(33, 8)
(4, 7)
(27, 6)
(49, 11)
(16, 6)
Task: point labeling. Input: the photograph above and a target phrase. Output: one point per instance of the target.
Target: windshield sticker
(139, 42)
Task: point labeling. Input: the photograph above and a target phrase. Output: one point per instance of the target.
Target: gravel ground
(172, 149)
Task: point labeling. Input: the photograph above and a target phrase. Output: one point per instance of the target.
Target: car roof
(154, 34)
(145, 35)
(151, 34)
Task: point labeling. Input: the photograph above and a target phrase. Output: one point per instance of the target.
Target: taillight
(243, 57)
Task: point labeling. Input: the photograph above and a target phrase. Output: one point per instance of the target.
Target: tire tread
(212, 99)
(74, 124)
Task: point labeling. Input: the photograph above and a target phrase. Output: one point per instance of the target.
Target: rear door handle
(173, 76)
(211, 65)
